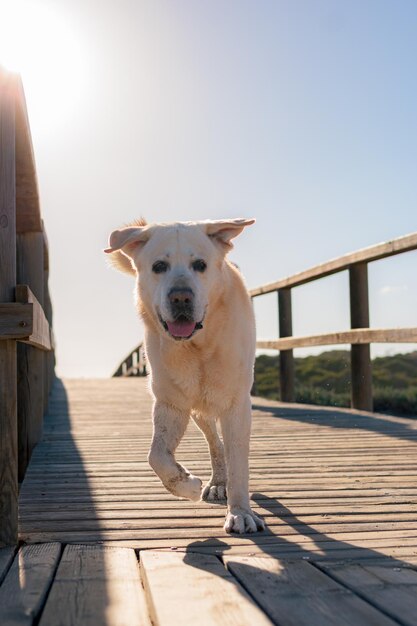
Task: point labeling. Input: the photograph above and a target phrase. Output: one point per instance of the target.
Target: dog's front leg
(215, 490)
(169, 425)
(236, 426)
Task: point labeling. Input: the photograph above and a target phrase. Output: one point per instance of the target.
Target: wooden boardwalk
(338, 490)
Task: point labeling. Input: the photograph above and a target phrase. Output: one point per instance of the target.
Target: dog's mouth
(182, 327)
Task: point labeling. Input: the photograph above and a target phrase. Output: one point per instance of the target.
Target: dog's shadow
(247, 577)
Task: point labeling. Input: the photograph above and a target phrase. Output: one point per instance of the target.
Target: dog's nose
(181, 296)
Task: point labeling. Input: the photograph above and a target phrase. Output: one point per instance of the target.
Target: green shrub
(324, 379)
(396, 401)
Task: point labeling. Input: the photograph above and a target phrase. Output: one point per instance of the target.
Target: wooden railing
(26, 340)
(360, 336)
(134, 364)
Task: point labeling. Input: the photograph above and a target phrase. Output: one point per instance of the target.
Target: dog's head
(179, 268)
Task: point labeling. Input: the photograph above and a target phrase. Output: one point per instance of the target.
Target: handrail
(134, 364)
(354, 336)
(26, 339)
(345, 262)
(360, 336)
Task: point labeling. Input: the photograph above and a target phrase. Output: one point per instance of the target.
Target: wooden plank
(27, 583)
(16, 320)
(118, 496)
(125, 470)
(357, 336)
(398, 555)
(307, 507)
(26, 323)
(195, 589)
(372, 253)
(202, 517)
(40, 335)
(28, 214)
(8, 411)
(96, 585)
(156, 494)
(186, 534)
(296, 593)
(243, 547)
(389, 587)
(6, 559)
(30, 267)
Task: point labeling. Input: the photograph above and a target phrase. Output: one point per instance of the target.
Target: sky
(300, 113)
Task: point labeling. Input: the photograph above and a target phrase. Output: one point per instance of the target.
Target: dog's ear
(223, 231)
(122, 246)
(127, 240)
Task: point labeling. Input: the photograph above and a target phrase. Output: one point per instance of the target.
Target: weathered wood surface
(23, 390)
(8, 393)
(40, 335)
(337, 488)
(16, 320)
(355, 336)
(27, 583)
(296, 592)
(6, 558)
(199, 587)
(28, 213)
(325, 480)
(96, 585)
(366, 255)
(392, 589)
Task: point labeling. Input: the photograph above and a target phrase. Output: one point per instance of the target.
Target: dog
(200, 347)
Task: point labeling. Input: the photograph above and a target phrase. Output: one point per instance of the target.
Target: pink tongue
(181, 329)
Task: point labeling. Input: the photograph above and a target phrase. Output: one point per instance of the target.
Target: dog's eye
(199, 265)
(159, 267)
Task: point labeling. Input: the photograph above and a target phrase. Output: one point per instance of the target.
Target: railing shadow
(56, 499)
(339, 418)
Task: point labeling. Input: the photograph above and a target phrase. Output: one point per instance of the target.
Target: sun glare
(40, 42)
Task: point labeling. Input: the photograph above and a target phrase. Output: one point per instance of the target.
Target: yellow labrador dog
(200, 345)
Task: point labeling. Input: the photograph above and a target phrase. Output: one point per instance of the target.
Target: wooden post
(30, 373)
(8, 393)
(286, 359)
(48, 356)
(361, 369)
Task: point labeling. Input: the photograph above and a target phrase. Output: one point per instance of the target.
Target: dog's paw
(214, 493)
(240, 521)
(188, 487)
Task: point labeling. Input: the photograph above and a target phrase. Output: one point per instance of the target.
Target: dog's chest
(203, 382)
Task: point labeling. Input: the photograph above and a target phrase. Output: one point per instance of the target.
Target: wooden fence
(134, 364)
(26, 340)
(360, 336)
